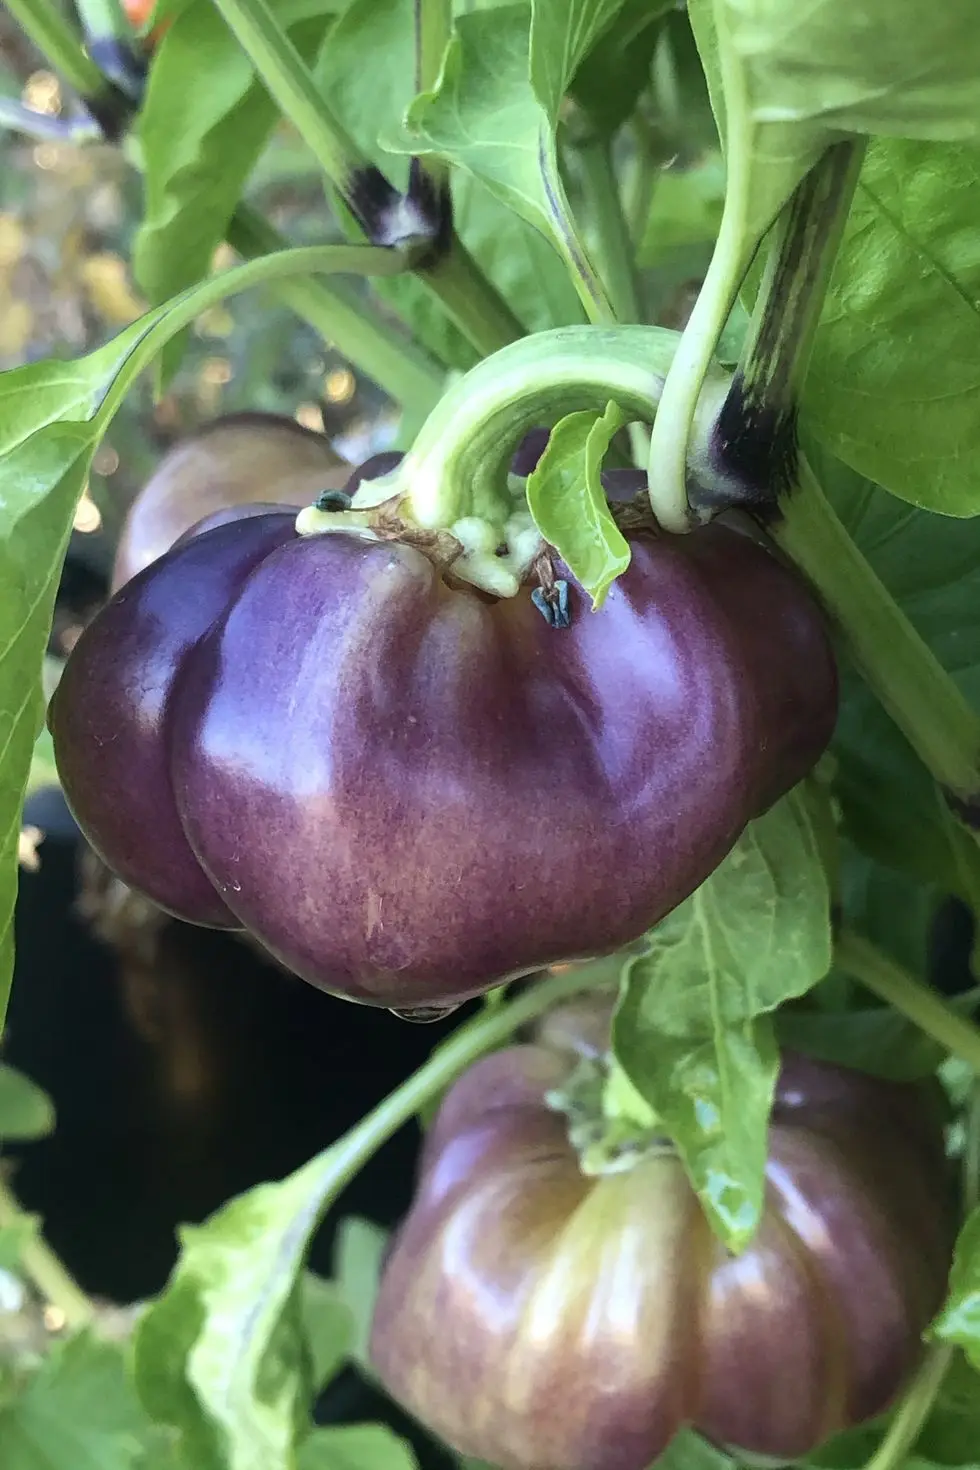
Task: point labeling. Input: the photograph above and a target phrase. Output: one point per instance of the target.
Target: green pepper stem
(350, 323)
(896, 663)
(43, 1268)
(888, 980)
(458, 464)
(54, 35)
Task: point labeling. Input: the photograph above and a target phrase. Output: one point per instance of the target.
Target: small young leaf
(566, 499)
(692, 1028)
(327, 1325)
(358, 1255)
(355, 1447)
(77, 1412)
(25, 1111)
(959, 1320)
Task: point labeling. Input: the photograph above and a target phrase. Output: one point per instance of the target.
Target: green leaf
(688, 1451)
(222, 1356)
(616, 70)
(328, 1327)
(692, 1028)
(25, 1111)
(566, 499)
(524, 266)
(891, 806)
(494, 112)
(905, 68)
(359, 1251)
(893, 387)
(959, 1321)
(204, 121)
(685, 211)
(77, 1412)
(356, 1447)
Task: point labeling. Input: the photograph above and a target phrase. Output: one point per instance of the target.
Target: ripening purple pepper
(542, 1319)
(408, 790)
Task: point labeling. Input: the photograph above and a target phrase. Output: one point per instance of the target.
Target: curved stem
(47, 27)
(154, 330)
(896, 663)
(458, 464)
(917, 1002)
(43, 1268)
(353, 325)
(695, 353)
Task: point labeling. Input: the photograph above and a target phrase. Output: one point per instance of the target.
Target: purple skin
(533, 1317)
(109, 713)
(408, 791)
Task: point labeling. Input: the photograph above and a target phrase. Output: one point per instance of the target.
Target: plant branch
(47, 27)
(386, 217)
(926, 1010)
(42, 1267)
(896, 663)
(353, 324)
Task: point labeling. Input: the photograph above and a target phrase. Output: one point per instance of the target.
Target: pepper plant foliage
(837, 337)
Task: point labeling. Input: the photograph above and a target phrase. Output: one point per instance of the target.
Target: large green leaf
(894, 387)
(906, 68)
(692, 1029)
(77, 1412)
(931, 566)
